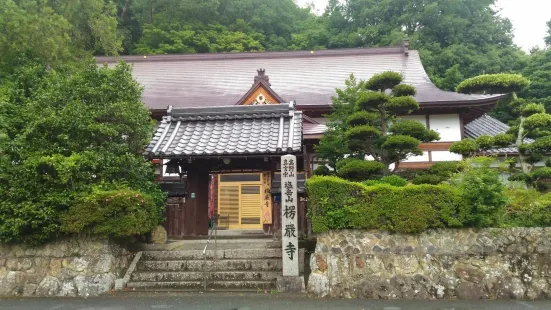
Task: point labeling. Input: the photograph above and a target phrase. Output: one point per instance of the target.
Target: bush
(113, 213)
(338, 204)
(428, 179)
(393, 180)
(437, 173)
(445, 168)
(527, 207)
(322, 170)
(360, 170)
(482, 192)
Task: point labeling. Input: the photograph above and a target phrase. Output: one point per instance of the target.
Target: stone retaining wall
(464, 263)
(72, 267)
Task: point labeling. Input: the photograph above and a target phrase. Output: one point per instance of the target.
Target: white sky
(529, 18)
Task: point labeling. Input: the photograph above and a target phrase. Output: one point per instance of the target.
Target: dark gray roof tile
(244, 132)
(487, 125)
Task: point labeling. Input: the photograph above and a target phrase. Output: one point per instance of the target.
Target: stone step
(263, 285)
(221, 254)
(270, 264)
(175, 276)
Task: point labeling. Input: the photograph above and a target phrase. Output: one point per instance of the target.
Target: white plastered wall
(449, 128)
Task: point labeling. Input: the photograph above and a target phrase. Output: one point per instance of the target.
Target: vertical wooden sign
(267, 198)
(289, 220)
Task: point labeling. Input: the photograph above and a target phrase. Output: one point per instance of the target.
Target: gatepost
(291, 281)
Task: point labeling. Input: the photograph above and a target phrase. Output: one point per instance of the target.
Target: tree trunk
(124, 9)
(520, 139)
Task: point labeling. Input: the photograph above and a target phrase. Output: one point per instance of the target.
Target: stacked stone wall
(71, 267)
(464, 263)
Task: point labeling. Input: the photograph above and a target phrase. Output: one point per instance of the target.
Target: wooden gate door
(240, 201)
(175, 215)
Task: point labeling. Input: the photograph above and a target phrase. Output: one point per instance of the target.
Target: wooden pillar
(197, 204)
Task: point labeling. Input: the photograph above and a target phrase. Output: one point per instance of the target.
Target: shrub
(112, 213)
(437, 173)
(445, 168)
(482, 192)
(360, 170)
(322, 170)
(428, 179)
(337, 204)
(527, 207)
(393, 180)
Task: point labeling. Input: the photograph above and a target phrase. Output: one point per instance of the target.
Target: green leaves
(70, 133)
(493, 84)
(414, 129)
(369, 101)
(401, 90)
(360, 170)
(535, 121)
(384, 81)
(465, 147)
(402, 144)
(402, 105)
(360, 118)
(531, 109)
(115, 213)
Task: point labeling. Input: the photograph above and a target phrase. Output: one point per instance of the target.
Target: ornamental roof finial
(261, 75)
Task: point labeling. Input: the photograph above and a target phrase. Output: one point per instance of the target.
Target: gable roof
(307, 77)
(230, 130)
(261, 80)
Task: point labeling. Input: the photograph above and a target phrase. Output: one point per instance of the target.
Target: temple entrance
(240, 201)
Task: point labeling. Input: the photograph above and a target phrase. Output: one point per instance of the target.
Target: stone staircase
(239, 266)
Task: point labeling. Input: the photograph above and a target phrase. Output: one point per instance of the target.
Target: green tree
(469, 35)
(66, 137)
(533, 122)
(367, 118)
(94, 24)
(54, 33)
(548, 36)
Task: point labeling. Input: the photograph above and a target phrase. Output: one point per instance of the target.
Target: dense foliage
(339, 204)
(366, 123)
(457, 39)
(68, 138)
(55, 32)
(530, 132)
(473, 195)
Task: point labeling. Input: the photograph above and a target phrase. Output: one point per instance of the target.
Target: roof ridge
(232, 112)
(253, 55)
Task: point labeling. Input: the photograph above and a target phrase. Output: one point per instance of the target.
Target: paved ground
(236, 301)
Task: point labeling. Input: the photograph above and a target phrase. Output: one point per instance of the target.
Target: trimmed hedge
(338, 204)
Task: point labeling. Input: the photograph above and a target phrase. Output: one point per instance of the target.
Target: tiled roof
(307, 77)
(233, 130)
(314, 129)
(487, 125)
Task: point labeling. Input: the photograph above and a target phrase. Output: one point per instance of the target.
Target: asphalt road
(236, 301)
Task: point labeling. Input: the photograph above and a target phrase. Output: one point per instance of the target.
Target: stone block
(29, 289)
(119, 284)
(470, 291)
(318, 285)
(104, 263)
(49, 286)
(290, 284)
(159, 235)
(94, 285)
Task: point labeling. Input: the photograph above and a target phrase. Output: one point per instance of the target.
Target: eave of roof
(307, 77)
